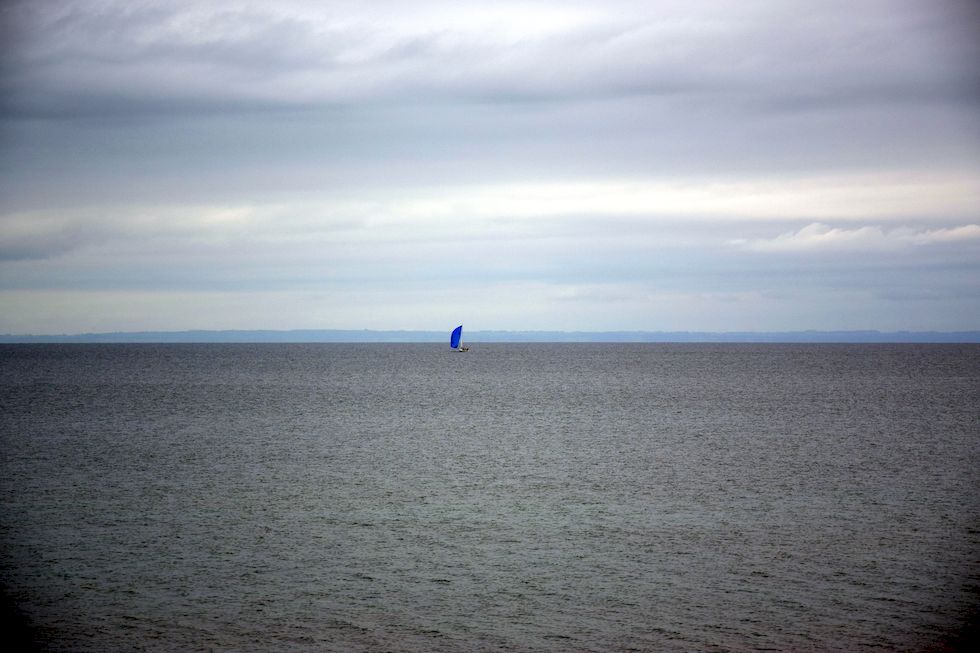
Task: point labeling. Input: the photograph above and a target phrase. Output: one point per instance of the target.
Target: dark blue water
(517, 497)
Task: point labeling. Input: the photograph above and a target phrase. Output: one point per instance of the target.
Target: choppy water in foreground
(516, 497)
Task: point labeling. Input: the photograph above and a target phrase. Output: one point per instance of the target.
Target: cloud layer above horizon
(512, 165)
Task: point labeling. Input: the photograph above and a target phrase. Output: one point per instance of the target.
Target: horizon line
(495, 335)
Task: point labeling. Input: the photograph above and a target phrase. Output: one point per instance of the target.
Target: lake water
(568, 497)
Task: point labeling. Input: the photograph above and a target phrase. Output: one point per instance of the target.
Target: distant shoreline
(405, 336)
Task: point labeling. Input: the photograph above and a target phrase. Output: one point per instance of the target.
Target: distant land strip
(367, 335)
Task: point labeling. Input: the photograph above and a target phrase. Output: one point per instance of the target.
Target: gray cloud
(616, 161)
(75, 58)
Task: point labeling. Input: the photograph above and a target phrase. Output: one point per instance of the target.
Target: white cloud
(511, 212)
(970, 232)
(667, 213)
(817, 237)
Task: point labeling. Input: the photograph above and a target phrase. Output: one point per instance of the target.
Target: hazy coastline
(381, 336)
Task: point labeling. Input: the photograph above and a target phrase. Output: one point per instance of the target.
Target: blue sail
(457, 334)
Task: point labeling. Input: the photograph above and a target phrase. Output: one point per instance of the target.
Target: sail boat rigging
(455, 340)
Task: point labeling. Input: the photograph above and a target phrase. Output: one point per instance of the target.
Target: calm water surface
(517, 497)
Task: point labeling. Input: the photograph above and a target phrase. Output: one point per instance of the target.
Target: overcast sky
(604, 165)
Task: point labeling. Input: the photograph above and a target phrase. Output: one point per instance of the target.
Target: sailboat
(456, 338)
